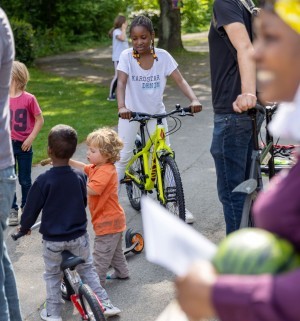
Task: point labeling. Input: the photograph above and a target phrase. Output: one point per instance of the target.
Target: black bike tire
(247, 218)
(169, 167)
(66, 294)
(134, 193)
(88, 298)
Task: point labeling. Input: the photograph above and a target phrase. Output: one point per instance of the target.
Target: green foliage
(72, 102)
(62, 22)
(196, 15)
(135, 5)
(24, 41)
(61, 25)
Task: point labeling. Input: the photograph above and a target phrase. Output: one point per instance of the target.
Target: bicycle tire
(134, 192)
(172, 187)
(66, 289)
(90, 304)
(247, 218)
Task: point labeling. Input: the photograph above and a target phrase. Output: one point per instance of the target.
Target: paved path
(150, 288)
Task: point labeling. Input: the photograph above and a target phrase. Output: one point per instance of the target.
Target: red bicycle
(82, 296)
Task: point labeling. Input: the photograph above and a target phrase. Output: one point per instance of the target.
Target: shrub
(24, 41)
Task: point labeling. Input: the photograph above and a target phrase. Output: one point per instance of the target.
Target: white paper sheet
(170, 242)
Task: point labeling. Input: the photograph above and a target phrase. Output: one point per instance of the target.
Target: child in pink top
(26, 122)
(107, 215)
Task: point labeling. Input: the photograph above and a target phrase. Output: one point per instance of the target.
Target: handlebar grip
(188, 109)
(16, 236)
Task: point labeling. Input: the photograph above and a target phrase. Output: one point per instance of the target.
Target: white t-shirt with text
(145, 88)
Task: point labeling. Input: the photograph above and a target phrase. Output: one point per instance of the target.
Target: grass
(71, 102)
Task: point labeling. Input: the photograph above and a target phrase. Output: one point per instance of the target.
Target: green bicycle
(153, 165)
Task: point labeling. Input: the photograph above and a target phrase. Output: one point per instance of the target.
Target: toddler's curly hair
(108, 142)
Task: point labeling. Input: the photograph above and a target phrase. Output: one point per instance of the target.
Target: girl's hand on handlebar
(124, 113)
(196, 107)
(244, 102)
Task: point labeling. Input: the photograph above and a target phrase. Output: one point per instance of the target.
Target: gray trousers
(53, 274)
(108, 252)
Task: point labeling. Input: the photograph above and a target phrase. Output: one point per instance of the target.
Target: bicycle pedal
(125, 180)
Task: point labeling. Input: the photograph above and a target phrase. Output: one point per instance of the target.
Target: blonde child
(26, 122)
(108, 217)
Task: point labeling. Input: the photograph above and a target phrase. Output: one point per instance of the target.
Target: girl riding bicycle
(142, 75)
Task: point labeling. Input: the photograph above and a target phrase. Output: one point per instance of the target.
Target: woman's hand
(124, 113)
(196, 107)
(194, 291)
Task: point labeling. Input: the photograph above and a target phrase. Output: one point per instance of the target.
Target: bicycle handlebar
(183, 111)
(17, 235)
(260, 108)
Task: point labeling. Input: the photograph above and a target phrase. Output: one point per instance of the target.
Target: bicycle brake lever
(184, 113)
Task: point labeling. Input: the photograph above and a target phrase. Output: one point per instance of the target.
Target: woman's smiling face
(277, 54)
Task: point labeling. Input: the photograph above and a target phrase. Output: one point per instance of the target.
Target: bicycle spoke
(172, 188)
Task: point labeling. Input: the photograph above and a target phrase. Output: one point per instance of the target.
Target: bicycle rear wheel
(247, 218)
(172, 187)
(66, 289)
(90, 304)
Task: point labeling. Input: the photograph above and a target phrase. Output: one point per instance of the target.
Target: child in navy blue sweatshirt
(60, 193)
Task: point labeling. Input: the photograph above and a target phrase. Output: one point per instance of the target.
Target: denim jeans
(23, 165)
(53, 274)
(9, 301)
(231, 149)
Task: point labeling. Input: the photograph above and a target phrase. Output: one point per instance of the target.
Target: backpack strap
(250, 6)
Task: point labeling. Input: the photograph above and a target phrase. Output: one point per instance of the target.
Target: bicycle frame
(152, 171)
(255, 178)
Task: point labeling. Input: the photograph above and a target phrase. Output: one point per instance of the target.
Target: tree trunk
(169, 26)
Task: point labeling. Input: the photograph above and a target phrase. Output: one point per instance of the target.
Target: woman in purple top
(202, 293)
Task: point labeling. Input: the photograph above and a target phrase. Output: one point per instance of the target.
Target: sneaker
(189, 218)
(110, 310)
(111, 98)
(45, 316)
(113, 276)
(13, 218)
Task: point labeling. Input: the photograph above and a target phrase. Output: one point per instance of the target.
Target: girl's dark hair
(62, 140)
(119, 20)
(142, 21)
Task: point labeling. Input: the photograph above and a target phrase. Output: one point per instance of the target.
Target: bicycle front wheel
(134, 192)
(247, 217)
(90, 304)
(172, 187)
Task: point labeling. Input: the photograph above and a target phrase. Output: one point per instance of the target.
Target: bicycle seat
(69, 260)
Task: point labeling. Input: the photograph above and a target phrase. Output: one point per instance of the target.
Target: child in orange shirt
(107, 215)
